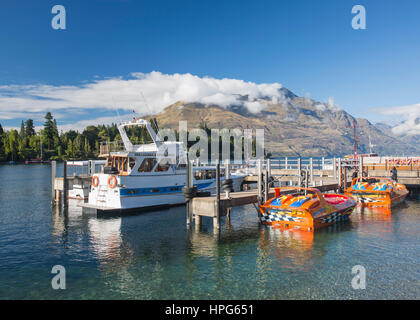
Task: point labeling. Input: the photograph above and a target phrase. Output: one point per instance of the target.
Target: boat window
(147, 165)
(163, 165)
(198, 175)
(210, 174)
(132, 162)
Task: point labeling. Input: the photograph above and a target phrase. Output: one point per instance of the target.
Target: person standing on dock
(394, 174)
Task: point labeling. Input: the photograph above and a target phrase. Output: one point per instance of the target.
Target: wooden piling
(311, 170)
(259, 163)
(265, 175)
(300, 171)
(188, 185)
(216, 219)
(65, 185)
(335, 168)
(227, 175)
(53, 174)
(340, 182)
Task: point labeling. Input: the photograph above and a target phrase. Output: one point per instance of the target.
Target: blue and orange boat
(377, 192)
(306, 208)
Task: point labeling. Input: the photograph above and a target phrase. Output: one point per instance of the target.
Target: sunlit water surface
(154, 256)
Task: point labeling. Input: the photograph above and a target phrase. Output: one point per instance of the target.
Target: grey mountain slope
(295, 126)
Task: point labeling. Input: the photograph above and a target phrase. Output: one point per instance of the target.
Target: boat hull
(307, 213)
(372, 200)
(133, 193)
(289, 219)
(374, 195)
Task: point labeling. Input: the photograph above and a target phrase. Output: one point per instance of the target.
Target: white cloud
(159, 90)
(411, 115)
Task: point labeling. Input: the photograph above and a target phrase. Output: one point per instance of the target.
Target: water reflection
(103, 235)
(364, 214)
(292, 249)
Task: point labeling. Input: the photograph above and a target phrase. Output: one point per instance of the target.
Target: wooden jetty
(325, 178)
(325, 174)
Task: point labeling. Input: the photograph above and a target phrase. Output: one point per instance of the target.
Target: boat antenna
(150, 111)
(116, 110)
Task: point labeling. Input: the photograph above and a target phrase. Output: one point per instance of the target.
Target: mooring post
(227, 176)
(311, 170)
(188, 185)
(53, 174)
(92, 168)
(300, 171)
(259, 164)
(265, 185)
(65, 184)
(216, 219)
(335, 168)
(339, 174)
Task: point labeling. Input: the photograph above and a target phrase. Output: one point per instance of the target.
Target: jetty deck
(323, 174)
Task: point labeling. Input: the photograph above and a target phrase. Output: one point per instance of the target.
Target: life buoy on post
(112, 182)
(95, 181)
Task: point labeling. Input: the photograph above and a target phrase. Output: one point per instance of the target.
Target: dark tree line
(50, 144)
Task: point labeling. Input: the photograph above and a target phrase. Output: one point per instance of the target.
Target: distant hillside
(411, 139)
(295, 126)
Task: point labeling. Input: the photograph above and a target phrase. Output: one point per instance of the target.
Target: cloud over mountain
(411, 124)
(159, 90)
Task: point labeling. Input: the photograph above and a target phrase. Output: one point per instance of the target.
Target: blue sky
(307, 46)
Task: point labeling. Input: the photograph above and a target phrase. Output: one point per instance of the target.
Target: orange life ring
(95, 181)
(114, 182)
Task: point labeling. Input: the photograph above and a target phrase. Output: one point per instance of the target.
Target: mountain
(406, 131)
(294, 126)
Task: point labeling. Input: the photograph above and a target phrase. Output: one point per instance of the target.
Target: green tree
(2, 153)
(22, 132)
(91, 134)
(87, 148)
(29, 130)
(50, 130)
(12, 147)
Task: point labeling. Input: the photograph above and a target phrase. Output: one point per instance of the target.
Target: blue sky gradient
(307, 46)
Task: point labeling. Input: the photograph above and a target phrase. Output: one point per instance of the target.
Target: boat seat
(299, 201)
(360, 186)
(381, 186)
(280, 200)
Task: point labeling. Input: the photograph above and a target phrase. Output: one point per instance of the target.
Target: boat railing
(106, 147)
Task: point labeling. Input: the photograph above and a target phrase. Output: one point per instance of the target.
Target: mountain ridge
(293, 126)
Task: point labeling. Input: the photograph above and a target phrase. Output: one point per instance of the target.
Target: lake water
(154, 256)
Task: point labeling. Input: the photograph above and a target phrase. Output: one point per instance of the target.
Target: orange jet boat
(306, 208)
(377, 192)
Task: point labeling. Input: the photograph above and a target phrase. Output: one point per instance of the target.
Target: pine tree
(49, 129)
(30, 130)
(22, 132)
(2, 153)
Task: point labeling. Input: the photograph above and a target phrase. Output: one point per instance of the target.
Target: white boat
(144, 177)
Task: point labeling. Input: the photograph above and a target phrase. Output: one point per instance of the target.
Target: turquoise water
(154, 256)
